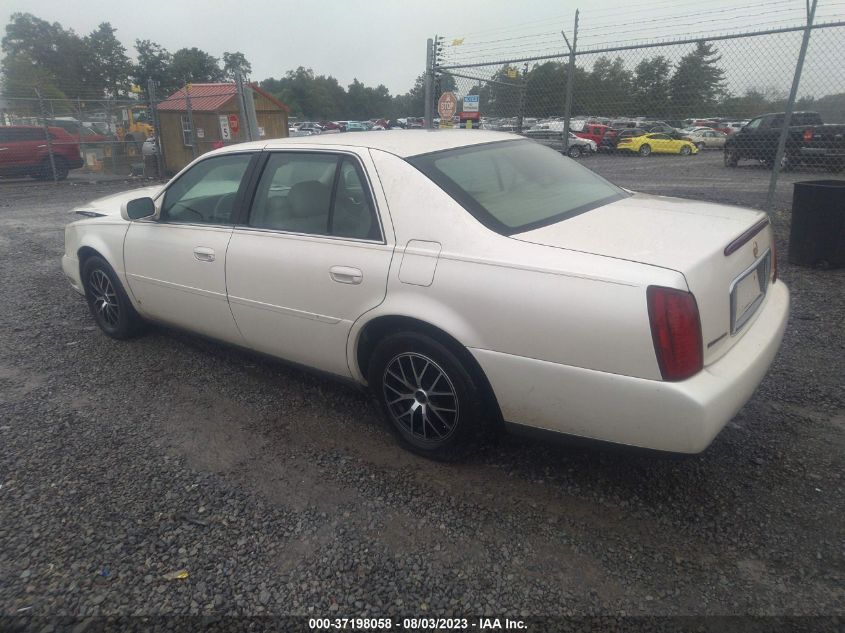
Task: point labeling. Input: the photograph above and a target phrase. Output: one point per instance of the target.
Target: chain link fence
(49, 139)
(698, 98)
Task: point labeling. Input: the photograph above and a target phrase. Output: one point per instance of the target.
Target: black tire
(408, 373)
(45, 170)
(107, 300)
(685, 150)
(645, 150)
(700, 145)
(574, 152)
(731, 158)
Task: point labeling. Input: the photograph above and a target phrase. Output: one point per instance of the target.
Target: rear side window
(19, 134)
(314, 194)
(516, 186)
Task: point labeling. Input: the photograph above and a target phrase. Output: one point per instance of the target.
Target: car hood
(661, 231)
(110, 205)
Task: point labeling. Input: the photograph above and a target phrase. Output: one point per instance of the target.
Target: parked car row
(313, 128)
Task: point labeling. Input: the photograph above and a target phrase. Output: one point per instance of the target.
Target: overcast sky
(383, 41)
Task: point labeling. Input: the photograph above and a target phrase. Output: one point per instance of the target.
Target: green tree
(236, 63)
(609, 87)
(59, 55)
(192, 65)
(698, 82)
(545, 91)
(108, 64)
(505, 92)
(154, 62)
(651, 87)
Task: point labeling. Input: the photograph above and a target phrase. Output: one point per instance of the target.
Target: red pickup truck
(594, 132)
(24, 152)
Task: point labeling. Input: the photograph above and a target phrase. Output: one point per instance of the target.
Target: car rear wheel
(45, 170)
(731, 158)
(700, 145)
(645, 150)
(107, 300)
(429, 397)
(685, 150)
(574, 152)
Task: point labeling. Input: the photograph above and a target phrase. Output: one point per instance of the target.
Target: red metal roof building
(215, 120)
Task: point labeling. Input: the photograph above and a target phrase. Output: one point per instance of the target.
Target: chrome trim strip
(250, 303)
(174, 286)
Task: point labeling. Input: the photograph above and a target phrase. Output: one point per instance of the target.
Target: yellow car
(648, 144)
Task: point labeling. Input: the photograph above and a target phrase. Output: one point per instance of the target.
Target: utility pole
(151, 94)
(570, 77)
(190, 118)
(429, 82)
(47, 134)
(248, 107)
(790, 106)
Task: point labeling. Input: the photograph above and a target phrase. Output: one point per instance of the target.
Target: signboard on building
(471, 103)
(225, 130)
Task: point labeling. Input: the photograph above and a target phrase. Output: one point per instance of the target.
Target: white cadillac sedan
(467, 278)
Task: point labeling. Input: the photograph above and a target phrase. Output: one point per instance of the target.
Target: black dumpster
(817, 237)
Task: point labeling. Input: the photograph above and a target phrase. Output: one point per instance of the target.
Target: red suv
(24, 152)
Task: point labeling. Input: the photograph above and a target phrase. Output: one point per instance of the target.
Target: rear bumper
(681, 417)
(823, 152)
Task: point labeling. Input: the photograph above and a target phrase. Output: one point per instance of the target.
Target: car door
(658, 143)
(176, 264)
(310, 258)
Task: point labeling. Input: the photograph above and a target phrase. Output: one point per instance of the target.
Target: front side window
(205, 194)
(516, 186)
(315, 194)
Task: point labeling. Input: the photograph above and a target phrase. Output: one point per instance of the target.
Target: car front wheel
(429, 397)
(107, 300)
(685, 150)
(574, 152)
(731, 158)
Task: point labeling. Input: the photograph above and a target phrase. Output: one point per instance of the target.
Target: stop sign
(234, 123)
(447, 105)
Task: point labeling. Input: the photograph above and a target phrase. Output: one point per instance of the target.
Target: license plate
(748, 291)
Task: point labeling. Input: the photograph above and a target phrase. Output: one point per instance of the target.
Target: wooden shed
(217, 120)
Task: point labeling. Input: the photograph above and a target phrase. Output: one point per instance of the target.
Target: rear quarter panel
(495, 293)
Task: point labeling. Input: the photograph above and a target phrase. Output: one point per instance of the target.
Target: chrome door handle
(204, 254)
(346, 275)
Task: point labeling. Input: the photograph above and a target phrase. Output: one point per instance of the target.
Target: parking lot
(280, 492)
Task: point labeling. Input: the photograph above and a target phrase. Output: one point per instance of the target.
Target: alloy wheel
(106, 306)
(420, 397)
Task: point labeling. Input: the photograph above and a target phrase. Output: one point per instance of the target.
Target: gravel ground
(283, 493)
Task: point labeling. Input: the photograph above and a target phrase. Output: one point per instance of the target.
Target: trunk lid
(686, 236)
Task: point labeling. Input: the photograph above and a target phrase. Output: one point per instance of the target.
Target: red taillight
(676, 332)
(808, 135)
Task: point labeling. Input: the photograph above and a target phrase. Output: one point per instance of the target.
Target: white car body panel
(556, 317)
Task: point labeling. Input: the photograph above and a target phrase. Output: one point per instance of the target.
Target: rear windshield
(516, 186)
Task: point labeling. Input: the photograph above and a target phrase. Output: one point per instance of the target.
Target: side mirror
(138, 208)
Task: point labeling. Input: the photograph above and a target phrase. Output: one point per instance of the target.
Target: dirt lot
(284, 493)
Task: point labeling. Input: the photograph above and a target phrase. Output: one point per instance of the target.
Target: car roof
(403, 143)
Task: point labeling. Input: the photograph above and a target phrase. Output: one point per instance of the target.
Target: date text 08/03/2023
(416, 624)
